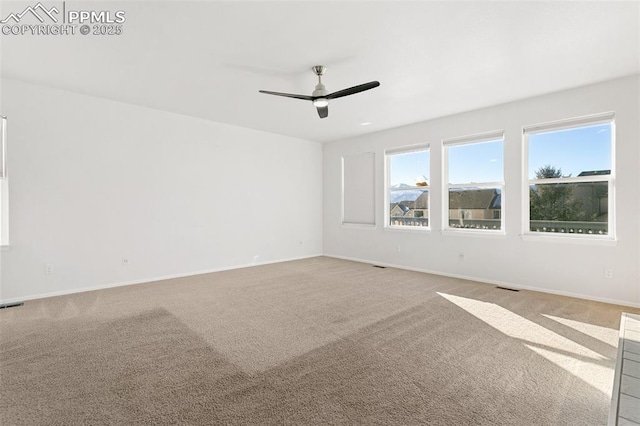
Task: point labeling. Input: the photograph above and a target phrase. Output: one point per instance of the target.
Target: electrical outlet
(125, 261)
(48, 269)
(608, 273)
(460, 256)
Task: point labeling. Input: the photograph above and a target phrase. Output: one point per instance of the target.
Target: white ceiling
(209, 59)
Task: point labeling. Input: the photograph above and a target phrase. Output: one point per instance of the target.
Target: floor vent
(505, 288)
(378, 266)
(10, 305)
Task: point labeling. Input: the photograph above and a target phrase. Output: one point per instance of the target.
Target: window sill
(5, 248)
(474, 233)
(424, 229)
(570, 239)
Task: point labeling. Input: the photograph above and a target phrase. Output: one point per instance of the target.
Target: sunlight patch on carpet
(597, 332)
(574, 358)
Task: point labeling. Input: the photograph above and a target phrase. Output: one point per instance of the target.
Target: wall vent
(10, 305)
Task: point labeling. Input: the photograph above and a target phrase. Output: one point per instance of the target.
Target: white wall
(93, 181)
(553, 266)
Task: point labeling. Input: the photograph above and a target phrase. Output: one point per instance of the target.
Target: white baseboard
(147, 280)
(354, 259)
(489, 281)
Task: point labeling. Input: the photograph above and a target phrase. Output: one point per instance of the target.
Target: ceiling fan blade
(323, 112)
(288, 95)
(353, 90)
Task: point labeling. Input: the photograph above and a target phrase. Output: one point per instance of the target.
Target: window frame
(388, 153)
(496, 135)
(559, 125)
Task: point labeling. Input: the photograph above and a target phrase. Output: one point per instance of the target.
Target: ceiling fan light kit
(320, 97)
(321, 102)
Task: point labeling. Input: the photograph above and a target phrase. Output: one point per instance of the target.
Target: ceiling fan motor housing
(320, 91)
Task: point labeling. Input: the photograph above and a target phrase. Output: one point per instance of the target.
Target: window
(570, 174)
(475, 183)
(408, 188)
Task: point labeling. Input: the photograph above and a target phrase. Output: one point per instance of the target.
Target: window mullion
(577, 179)
(477, 185)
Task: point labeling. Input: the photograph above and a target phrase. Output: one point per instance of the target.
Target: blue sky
(407, 168)
(476, 162)
(573, 151)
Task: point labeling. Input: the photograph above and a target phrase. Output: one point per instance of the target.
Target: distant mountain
(409, 195)
(400, 186)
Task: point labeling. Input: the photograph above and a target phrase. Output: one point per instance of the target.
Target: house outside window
(474, 172)
(570, 178)
(407, 187)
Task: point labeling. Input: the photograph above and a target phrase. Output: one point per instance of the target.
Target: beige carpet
(317, 341)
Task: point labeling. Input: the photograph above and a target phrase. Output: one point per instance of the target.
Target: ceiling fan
(321, 97)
